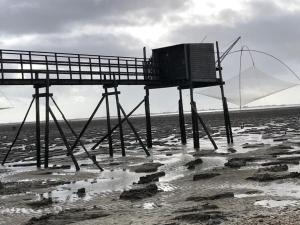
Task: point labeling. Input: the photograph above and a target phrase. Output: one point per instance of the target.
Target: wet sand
(253, 181)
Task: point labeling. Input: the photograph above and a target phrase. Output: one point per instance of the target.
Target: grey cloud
(44, 16)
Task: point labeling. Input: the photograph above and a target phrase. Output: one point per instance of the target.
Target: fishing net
(252, 84)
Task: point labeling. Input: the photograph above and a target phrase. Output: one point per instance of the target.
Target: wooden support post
(18, 132)
(76, 136)
(120, 123)
(64, 140)
(37, 126)
(87, 124)
(115, 127)
(224, 101)
(134, 131)
(47, 123)
(205, 128)
(111, 151)
(148, 119)
(181, 118)
(194, 120)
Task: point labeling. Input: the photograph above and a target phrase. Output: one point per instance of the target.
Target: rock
(54, 167)
(81, 192)
(41, 203)
(214, 217)
(236, 162)
(67, 216)
(231, 150)
(140, 193)
(294, 162)
(276, 168)
(208, 206)
(192, 164)
(263, 177)
(147, 167)
(151, 177)
(280, 139)
(24, 164)
(202, 176)
(253, 192)
(212, 197)
(257, 145)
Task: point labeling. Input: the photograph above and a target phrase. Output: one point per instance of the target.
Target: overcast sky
(123, 27)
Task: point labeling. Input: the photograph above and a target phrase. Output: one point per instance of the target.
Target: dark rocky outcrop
(236, 162)
(140, 193)
(294, 162)
(67, 217)
(151, 177)
(212, 197)
(80, 192)
(231, 150)
(202, 176)
(276, 168)
(191, 165)
(214, 217)
(264, 177)
(41, 203)
(146, 167)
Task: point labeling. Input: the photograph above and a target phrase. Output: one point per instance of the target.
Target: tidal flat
(256, 180)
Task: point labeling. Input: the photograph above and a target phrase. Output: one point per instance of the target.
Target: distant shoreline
(203, 112)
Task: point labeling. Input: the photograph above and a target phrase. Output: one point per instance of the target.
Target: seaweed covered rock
(236, 162)
(202, 176)
(146, 167)
(212, 197)
(140, 193)
(151, 177)
(191, 165)
(264, 177)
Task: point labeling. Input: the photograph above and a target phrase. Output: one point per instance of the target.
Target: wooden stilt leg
(148, 119)
(111, 151)
(18, 132)
(194, 120)
(64, 140)
(181, 118)
(76, 136)
(47, 124)
(134, 131)
(37, 128)
(120, 123)
(115, 127)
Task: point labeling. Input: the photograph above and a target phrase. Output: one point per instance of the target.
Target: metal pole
(120, 123)
(224, 101)
(18, 132)
(181, 118)
(111, 151)
(37, 126)
(47, 123)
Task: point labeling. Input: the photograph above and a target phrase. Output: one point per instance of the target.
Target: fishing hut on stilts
(185, 66)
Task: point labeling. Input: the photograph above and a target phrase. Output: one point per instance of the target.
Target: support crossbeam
(76, 136)
(64, 140)
(18, 132)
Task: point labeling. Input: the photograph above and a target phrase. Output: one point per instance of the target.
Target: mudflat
(254, 181)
